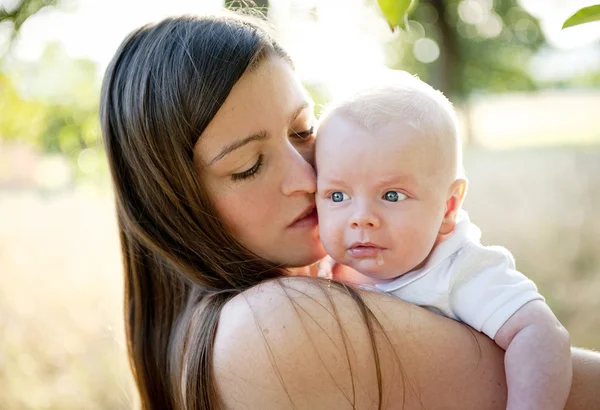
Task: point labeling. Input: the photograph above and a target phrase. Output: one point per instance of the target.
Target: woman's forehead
(264, 100)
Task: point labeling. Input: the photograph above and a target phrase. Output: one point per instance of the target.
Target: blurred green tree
(260, 5)
(51, 103)
(17, 13)
(467, 46)
(462, 47)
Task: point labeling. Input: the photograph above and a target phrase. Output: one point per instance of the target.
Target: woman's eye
(339, 196)
(250, 172)
(304, 135)
(394, 196)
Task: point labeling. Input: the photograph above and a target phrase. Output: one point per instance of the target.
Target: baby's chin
(371, 272)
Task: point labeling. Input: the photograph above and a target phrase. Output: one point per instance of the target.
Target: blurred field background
(528, 95)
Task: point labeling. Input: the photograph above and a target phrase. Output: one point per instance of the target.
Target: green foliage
(23, 11)
(396, 12)
(261, 6)
(52, 104)
(481, 49)
(20, 118)
(319, 95)
(585, 15)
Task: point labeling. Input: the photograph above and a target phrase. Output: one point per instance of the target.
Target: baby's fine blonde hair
(395, 97)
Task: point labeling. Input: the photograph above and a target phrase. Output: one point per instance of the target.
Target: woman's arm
(585, 388)
(296, 344)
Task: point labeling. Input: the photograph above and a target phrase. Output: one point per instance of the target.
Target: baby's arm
(537, 360)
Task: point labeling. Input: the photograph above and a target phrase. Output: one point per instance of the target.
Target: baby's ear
(456, 194)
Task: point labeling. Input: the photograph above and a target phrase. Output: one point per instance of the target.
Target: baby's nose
(364, 219)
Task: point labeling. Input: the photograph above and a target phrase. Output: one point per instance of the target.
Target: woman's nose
(300, 176)
(364, 218)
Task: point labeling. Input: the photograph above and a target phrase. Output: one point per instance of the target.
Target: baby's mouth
(365, 250)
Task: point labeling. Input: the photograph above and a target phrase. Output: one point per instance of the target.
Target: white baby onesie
(467, 281)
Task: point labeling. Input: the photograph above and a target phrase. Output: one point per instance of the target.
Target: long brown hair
(164, 85)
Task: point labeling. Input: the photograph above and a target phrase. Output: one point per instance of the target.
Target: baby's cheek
(420, 247)
(331, 235)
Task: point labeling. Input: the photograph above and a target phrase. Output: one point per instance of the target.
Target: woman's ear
(456, 194)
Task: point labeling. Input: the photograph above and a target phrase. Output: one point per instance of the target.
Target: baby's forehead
(400, 128)
(407, 148)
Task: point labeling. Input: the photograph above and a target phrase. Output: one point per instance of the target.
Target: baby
(390, 190)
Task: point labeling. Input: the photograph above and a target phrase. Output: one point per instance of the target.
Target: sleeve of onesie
(486, 289)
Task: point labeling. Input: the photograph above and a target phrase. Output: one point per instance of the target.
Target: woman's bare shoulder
(299, 343)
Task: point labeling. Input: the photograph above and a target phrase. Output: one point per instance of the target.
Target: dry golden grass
(60, 275)
(541, 204)
(60, 304)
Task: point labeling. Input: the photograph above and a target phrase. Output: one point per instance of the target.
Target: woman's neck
(310, 270)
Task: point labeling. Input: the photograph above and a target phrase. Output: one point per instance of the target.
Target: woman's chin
(306, 257)
(319, 254)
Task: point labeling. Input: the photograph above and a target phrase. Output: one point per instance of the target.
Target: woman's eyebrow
(238, 144)
(296, 113)
(260, 136)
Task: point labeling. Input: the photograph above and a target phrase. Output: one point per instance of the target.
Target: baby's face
(381, 196)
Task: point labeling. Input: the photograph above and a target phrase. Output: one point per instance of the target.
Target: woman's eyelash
(250, 172)
(304, 134)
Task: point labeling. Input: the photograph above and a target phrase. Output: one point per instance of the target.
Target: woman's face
(255, 158)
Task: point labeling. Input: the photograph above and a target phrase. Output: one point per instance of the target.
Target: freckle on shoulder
(239, 314)
(246, 319)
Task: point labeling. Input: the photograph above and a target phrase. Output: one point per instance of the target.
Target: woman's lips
(365, 251)
(310, 220)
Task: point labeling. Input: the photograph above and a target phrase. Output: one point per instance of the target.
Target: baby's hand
(330, 269)
(326, 267)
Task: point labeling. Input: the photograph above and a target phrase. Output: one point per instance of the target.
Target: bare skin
(281, 347)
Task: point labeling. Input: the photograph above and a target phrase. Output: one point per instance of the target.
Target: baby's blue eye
(338, 196)
(394, 196)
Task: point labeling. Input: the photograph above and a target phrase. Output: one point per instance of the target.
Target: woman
(209, 136)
